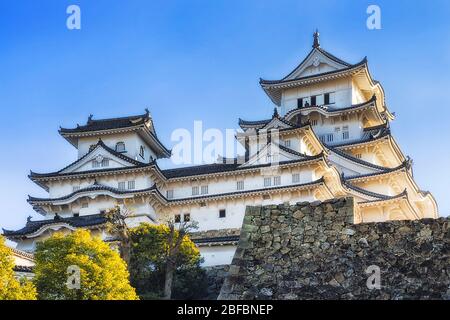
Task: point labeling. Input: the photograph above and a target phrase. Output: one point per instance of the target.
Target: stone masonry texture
(314, 251)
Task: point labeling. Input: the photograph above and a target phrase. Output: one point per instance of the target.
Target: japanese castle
(329, 137)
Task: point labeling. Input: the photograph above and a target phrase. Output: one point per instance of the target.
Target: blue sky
(201, 60)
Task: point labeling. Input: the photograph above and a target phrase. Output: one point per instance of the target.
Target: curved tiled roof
(329, 109)
(282, 81)
(108, 124)
(94, 187)
(405, 165)
(225, 167)
(354, 159)
(76, 222)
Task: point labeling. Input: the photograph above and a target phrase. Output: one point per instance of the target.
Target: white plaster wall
(217, 255)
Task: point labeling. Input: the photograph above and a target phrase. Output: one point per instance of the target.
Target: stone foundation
(314, 251)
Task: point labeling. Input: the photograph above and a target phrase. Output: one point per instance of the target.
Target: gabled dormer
(322, 79)
(133, 136)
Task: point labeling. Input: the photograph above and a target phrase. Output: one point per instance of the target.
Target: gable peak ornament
(316, 35)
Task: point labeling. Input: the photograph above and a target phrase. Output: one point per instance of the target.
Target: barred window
(330, 137)
(222, 213)
(314, 122)
(204, 189)
(187, 217)
(131, 185)
(75, 188)
(358, 155)
(276, 181)
(121, 185)
(240, 185)
(295, 178)
(267, 182)
(95, 164)
(169, 194)
(287, 143)
(105, 163)
(345, 135)
(195, 191)
(177, 218)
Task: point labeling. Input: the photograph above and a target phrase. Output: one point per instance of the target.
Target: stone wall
(314, 251)
(215, 277)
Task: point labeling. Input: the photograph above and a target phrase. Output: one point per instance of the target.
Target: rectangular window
(267, 182)
(313, 100)
(295, 178)
(345, 135)
(122, 185)
(204, 189)
(187, 217)
(222, 213)
(105, 163)
(314, 122)
(95, 164)
(131, 185)
(337, 129)
(240, 185)
(322, 138)
(276, 181)
(169, 194)
(330, 137)
(358, 155)
(195, 191)
(287, 143)
(326, 98)
(177, 218)
(75, 188)
(299, 102)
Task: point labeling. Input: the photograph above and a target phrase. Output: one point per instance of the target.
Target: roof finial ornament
(275, 113)
(316, 43)
(90, 118)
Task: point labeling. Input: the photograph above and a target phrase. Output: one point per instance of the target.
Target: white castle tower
(328, 137)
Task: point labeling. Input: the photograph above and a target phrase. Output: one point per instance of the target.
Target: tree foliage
(152, 247)
(103, 274)
(10, 287)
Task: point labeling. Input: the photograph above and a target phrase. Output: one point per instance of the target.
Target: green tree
(155, 248)
(61, 258)
(10, 287)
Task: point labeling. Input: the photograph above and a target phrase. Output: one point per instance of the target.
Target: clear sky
(201, 60)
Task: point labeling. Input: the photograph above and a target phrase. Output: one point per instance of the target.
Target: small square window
(177, 218)
(345, 135)
(222, 213)
(187, 217)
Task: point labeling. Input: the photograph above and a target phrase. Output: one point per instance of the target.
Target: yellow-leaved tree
(10, 287)
(79, 266)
